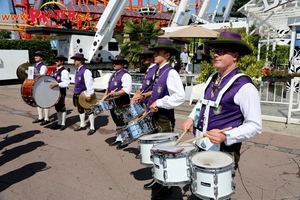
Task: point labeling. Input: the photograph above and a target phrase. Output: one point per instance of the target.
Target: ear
(236, 55)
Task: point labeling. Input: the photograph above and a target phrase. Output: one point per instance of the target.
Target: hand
(215, 136)
(137, 97)
(87, 98)
(187, 125)
(26, 71)
(153, 107)
(53, 85)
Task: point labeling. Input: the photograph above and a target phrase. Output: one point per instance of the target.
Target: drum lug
(233, 185)
(189, 172)
(151, 157)
(194, 173)
(194, 186)
(215, 179)
(165, 175)
(216, 192)
(164, 163)
(139, 147)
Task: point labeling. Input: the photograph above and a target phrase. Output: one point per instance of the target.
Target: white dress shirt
(176, 95)
(249, 101)
(43, 70)
(126, 83)
(65, 80)
(88, 80)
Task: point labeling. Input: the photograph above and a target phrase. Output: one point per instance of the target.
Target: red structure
(89, 12)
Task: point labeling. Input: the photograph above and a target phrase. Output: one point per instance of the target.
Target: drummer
(119, 87)
(142, 95)
(167, 94)
(40, 69)
(239, 106)
(83, 81)
(61, 75)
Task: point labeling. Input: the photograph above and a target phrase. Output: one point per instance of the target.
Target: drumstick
(181, 137)
(140, 92)
(106, 96)
(200, 137)
(142, 117)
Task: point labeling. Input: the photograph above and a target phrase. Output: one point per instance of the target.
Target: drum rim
(166, 133)
(212, 168)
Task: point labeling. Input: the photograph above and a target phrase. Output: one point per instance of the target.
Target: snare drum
(131, 112)
(173, 169)
(135, 130)
(146, 142)
(103, 106)
(37, 92)
(212, 175)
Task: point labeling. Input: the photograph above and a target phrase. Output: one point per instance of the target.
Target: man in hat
(40, 70)
(83, 82)
(167, 94)
(61, 75)
(119, 87)
(229, 100)
(142, 95)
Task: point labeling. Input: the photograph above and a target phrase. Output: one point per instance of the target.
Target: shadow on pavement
(11, 154)
(18, 138)
(8, 129)
(18, 175)
(132, 150)
(142, 174)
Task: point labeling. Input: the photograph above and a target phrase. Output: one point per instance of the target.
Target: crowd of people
(229, 99)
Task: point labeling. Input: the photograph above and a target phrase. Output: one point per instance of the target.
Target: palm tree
(136, 36)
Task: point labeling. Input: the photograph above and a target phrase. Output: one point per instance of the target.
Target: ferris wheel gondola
(148, 11)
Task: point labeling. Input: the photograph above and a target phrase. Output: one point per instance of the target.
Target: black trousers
(80, 109)
(61, 106)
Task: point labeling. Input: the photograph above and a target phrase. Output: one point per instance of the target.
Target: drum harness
(205, 142)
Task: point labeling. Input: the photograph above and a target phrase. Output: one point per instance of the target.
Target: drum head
(212, 159)
(187, 147)
(158, 136)
(44, 96)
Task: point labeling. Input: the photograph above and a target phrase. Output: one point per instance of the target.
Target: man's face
(147, 60)
(38, 58)
(77, 63)
(118, 66)
(161, 56)
(224, 58)
(58, 63)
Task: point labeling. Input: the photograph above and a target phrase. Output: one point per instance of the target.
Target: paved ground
(40, 163)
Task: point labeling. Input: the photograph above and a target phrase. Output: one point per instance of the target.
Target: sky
(4, 9)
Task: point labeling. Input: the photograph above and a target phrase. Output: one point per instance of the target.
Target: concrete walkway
(40, 163)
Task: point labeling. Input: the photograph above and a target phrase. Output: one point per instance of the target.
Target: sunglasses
(221, 52)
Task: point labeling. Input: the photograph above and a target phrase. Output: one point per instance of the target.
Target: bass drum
(37, 92)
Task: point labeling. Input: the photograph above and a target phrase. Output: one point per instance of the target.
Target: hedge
(32, 46)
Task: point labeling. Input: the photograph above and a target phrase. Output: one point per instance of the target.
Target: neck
(227, 70)
(163, 63)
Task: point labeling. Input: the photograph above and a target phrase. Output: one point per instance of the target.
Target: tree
(136, 36)
(237, 5)
(5, 34)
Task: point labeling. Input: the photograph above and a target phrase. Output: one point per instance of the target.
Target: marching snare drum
(37, 92)
(146, 142)
(135, 130)
(131, 112)
(172, 169)
(103, 106)
(212, 175)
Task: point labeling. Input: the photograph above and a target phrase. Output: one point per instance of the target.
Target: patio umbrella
(193, 31)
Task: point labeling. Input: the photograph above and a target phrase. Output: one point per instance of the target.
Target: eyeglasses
(118, 63)
(221, 52)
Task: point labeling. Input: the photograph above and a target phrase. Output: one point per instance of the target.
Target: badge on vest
(79, 78)
(115, 83)
(58, 78)
(159, 88)
(148, 82)
(217, 110)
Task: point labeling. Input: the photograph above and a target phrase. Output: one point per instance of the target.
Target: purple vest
(228, 113)
(57, 74)
(38, 67)
(160, 90)
(79, 81)
(148, 81)
(115, 82)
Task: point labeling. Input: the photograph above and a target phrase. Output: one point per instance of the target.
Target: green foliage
(32, 46)
(136, 36)
(5, 34)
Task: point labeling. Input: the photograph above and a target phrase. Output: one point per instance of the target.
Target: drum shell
(27, 92)
(173, 169)
(135, 130)
(146, 144)
(212, 182)
(103, 106)
(131, 112)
